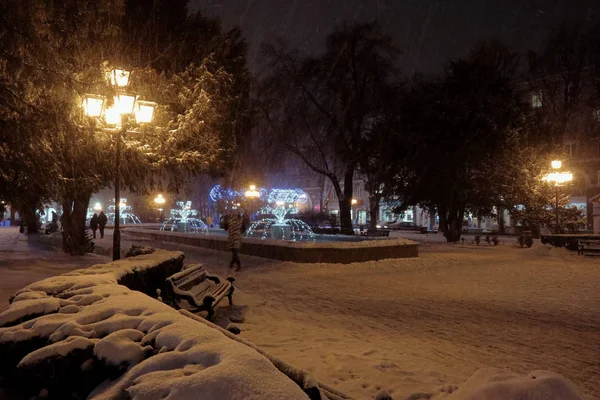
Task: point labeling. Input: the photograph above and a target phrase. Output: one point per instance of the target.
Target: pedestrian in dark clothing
(94, 224)
(234, 225)
(102, 219)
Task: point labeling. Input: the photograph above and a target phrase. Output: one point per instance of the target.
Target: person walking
(94, 224)
(102, 219)
(234, 225)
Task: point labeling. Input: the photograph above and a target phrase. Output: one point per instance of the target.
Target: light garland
(284, 201)
(185, 211)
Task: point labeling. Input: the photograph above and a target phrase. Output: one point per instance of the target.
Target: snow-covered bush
(85, 335)
(498, 384)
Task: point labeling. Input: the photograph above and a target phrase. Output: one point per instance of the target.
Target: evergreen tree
(53, 53)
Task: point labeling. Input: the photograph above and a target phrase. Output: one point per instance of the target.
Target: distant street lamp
(160, 200)
(98, 207)
(116, 119)
(252, 194)
(556, 164)
(559, 179)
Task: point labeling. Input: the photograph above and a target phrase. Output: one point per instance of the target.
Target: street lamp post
(160, 200)
(559, 179)
(125, 107)
(252, 194)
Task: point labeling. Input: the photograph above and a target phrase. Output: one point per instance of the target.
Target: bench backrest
(188, 278)
(590, 242)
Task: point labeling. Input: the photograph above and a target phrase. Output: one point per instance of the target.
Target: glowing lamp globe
(144, 111)
(556, 164)
(159, 199)
(98, 207)
(559, 178)
(92, 105)
(112, 116)
(118, 77)
(125, 103)
(354, 201)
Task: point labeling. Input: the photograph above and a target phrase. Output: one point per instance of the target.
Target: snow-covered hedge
(83, 334)
(500, 384)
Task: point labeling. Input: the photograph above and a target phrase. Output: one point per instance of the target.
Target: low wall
(84, 334)
(302, 252)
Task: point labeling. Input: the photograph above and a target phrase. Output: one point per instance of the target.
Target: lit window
(536, 100)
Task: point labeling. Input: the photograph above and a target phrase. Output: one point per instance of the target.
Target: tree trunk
(346, 203)
(455, 222)
(65, 219)
(321, 195)
(31, 220)
(346, 217)
(373, 212)
(451, 222)
(500, 219)
(74, 229)
(432, 218)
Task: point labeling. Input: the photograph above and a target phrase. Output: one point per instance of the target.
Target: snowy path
(26, 259)
(413, 325)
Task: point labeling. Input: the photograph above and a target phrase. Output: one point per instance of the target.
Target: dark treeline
(468, 140)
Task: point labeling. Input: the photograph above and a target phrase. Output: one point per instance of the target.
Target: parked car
(387, 224)
(411, 226)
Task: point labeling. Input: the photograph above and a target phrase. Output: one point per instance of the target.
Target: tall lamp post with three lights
(160, 202)
(115, 119)
(558, 178)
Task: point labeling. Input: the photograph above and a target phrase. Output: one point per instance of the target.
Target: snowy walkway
(412, 325)
(26, 259)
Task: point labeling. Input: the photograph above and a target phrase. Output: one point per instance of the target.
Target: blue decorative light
(219, 193)
(289, 196)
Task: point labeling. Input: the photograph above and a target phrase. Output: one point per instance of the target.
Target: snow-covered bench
(193, 289)
(591, 246)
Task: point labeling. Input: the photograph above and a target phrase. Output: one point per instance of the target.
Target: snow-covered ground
(411, 326)
(25, 260)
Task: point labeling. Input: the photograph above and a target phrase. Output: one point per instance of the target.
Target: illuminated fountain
(282, 202)
(126, 215)
(125, 211)
(180, 220)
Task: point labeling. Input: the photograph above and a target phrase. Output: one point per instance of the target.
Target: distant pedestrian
(94, 224)
(102, 219)
(234, 225)
(209, 221)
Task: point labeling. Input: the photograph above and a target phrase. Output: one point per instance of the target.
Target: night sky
(428, 32)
